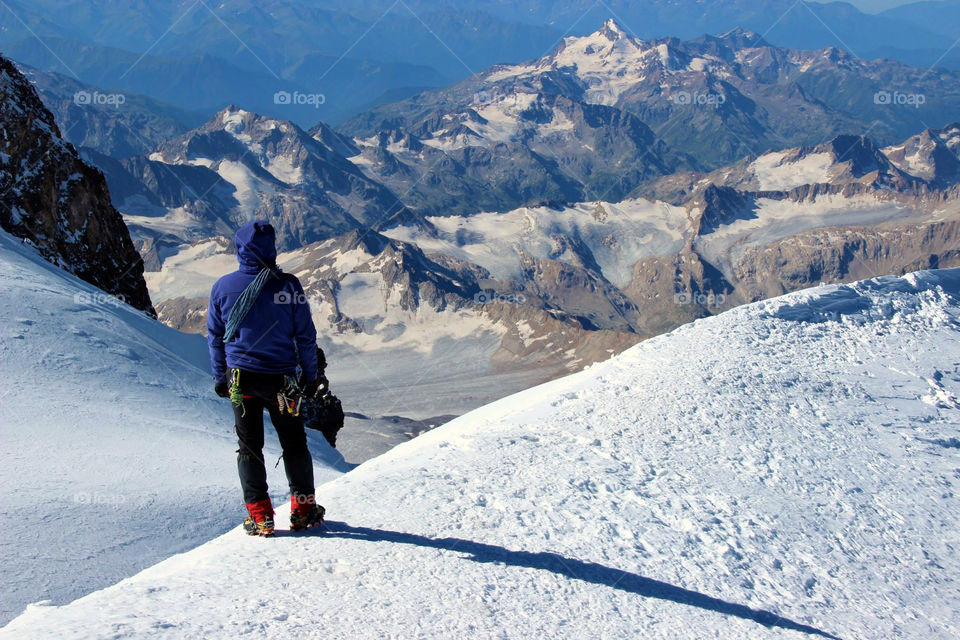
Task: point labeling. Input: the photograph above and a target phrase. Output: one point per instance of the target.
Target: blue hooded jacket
(278, 332)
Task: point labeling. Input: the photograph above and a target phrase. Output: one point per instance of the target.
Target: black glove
(222, 389)
(313, 388)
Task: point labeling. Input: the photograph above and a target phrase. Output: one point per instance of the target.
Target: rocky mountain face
(525, 144)
(770, 224)
(56, 202)
(622, 109)
(240, 166)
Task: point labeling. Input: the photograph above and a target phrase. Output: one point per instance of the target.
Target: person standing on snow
(259, 331)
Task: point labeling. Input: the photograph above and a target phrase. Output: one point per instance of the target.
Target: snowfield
(115, 451)
(617, 234)
(786, 469)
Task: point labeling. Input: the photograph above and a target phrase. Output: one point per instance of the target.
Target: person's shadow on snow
(571, 568)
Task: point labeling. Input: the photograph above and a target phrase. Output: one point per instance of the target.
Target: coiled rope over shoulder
(244, 303)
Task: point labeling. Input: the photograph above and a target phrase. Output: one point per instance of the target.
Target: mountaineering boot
(305, 512)
(262, 528)
(260, 520)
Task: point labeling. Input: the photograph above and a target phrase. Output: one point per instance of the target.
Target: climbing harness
(290, 396)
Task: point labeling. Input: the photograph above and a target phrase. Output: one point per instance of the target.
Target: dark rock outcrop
(56, 202)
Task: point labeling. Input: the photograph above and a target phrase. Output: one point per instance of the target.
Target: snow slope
(116, 453)
(785, 469)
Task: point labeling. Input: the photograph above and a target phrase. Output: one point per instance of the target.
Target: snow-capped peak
(232, 118)
(612, 30)
(743, 37)
(931, 155)
(246, 125)
(609, 61)
(609, 39)
(278, 146)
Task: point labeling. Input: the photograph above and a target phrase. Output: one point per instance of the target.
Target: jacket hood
(256, 245)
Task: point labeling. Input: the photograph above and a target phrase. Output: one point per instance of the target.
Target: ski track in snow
(784, 469)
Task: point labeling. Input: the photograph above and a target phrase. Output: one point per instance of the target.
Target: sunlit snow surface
(785, 469)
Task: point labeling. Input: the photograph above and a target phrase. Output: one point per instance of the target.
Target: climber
(259, 331)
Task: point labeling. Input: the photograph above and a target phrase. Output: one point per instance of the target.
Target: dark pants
(259, 393)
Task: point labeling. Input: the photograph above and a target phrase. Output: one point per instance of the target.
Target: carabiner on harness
(290, 397)
(236, 396)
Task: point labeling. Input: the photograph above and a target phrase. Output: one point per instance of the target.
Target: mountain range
(542, 216)
(537, 204)
(705, 102)
(200, 56)
(553, 287)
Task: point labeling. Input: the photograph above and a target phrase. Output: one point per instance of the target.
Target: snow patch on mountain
(785, 469)
(951, 137)
(192, 270)
(774, 219)
(783, 171)
(617, 235)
